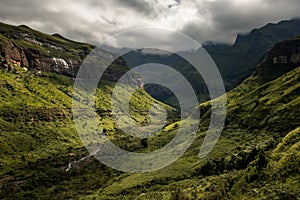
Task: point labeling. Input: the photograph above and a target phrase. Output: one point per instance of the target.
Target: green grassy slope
(38, 137)
(257, 156)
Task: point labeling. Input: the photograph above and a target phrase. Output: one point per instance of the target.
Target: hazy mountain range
(235, 62)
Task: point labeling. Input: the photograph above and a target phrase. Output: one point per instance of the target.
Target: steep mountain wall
(286, 52)
(22, 47)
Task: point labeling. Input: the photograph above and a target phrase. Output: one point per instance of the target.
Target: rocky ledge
(22, 47)
(286, 52)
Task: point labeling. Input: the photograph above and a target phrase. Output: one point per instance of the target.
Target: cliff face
(282, 58)
(31, 59)
(22, 47)
(13, 55)
(286, 52)
(237, 62)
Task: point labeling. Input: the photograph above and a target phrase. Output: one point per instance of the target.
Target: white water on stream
(71, 164)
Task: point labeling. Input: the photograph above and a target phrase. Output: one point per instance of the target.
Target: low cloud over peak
(92, 21)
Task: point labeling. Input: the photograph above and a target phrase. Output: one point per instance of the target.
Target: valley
(42, 156)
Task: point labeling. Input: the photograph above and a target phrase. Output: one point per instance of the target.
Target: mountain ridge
(256, 157)
(23, 47)
(237, 61)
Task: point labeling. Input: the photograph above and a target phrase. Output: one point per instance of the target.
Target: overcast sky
(94, 20)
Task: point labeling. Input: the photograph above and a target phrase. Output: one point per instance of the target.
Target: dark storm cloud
(94, 20)
(52, 17)
(227, 18)
(14, 10)
(231, 15)
(139, 6)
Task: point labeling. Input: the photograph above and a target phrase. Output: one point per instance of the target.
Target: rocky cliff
(286, 52)
(236, 62)
(22, 47)
(282, 58)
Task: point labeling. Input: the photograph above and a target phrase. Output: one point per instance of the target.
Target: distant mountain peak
(57, 35)
(24, 26)
(236, 62)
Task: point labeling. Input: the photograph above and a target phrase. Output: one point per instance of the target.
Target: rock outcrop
(286, 52)
(22, 47)
(13, 55)
(281, 59)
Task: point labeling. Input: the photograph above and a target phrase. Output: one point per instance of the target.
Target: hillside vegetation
(38, 137)
(256, 157)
